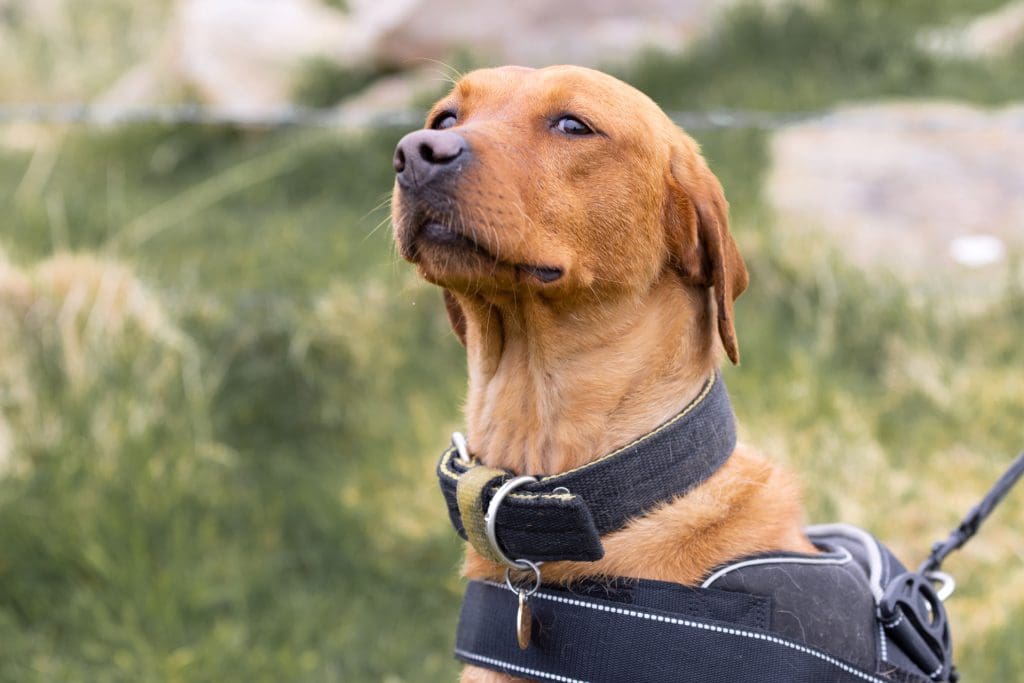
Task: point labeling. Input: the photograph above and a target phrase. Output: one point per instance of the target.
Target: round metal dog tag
(524, 622)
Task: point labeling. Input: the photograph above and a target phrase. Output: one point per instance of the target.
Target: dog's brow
(489, 85)
(463, 88)
(573, 97)
(581, 107)
(447, 104)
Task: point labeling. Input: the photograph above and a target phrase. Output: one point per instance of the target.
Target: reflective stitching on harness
(894, 624)
(870, 545)
(711, 627)
(778, 560)
(882, 639)
(513, 667)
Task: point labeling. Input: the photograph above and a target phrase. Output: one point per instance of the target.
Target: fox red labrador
(584, 251)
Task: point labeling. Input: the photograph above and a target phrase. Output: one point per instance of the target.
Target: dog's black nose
(426, 155)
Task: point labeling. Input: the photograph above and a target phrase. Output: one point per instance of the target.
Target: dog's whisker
(452, 75)
(384, 221)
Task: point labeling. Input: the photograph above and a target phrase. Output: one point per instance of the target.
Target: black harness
(850, 613)
(783, 618)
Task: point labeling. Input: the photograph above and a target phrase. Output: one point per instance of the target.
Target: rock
(537, 32)
(993, 34)
(911, 187)
(246, 55)
(243, 54)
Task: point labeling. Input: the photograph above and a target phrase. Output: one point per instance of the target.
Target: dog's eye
(570, 125)
(444, 120)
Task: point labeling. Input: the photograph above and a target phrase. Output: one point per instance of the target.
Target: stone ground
(914, 187)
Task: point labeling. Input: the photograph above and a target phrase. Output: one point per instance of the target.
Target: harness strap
(562, 516)
(655, 633)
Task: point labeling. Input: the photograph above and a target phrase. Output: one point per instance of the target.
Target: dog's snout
(425, 155)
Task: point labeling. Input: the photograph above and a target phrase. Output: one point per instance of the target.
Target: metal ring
(459, 441)
(535, 566)
(948, 583)
(490, 520)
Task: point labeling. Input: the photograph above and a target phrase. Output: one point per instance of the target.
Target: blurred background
(222, 394)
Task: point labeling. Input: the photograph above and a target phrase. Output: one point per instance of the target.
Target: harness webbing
(663, 632)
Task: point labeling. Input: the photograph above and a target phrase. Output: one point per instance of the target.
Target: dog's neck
(547, 393)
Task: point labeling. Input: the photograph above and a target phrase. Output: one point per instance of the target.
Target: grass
(217, 431)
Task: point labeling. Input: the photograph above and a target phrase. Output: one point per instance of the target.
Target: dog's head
(563, 183)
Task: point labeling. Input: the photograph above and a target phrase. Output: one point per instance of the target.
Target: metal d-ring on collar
(491, 519)
(461, 447)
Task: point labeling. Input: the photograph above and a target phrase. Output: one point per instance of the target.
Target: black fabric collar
(563, 516)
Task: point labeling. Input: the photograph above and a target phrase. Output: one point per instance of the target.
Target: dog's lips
(542, 273)
(441, 235)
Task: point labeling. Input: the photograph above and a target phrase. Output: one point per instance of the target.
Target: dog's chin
(453, 259)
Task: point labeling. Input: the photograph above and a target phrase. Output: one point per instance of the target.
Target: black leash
(969, 526)
(911, 609)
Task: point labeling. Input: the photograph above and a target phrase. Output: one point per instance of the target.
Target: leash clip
(911, 612)
(947, 584)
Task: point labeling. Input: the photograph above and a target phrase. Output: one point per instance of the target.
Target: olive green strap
(469, 495)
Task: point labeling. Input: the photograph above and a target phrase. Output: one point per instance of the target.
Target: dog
(584, 252)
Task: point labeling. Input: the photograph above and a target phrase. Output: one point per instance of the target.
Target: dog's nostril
(399, 161)
(427, 152)
(439, 152)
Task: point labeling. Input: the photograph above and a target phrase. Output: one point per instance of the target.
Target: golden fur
(563, 372)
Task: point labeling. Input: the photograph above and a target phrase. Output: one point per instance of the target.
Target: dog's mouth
(437, 234)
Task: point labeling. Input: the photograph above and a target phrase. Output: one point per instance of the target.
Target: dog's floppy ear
(700, 244)
(455, 316)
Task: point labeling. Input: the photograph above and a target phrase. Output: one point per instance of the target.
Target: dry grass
(62, 50)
